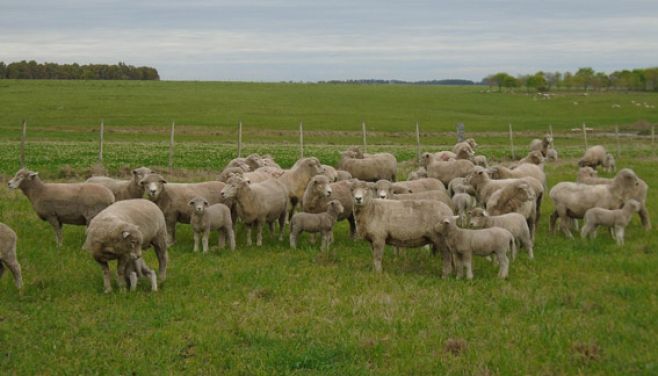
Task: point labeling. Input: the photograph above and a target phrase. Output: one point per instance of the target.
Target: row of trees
(32, 70)
(584, 79)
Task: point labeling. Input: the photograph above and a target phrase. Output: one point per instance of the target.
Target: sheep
(464, 243)
(297, 177)
(372, 168)
(512, 222)
(517, 197)
(320, 191)
(446, 171)
(330, 173)
(437, 195)
(173, 198)
(462, 202)
(520, 171)
(419, 173)
(398, 223)
(616, 220)
(121, 231)
(552, 155)
(261, 174)
(542, 145)
(459, 185)
(8, 255)
(595, 156)
(123, 189)
(133, 269)
(463, 151)
(479, 160)
(240, 163)
(343, 175)
(258, 203)
(444, 155)
(316, 222)
(588, 175)
(205, 218)
(609, 163)
(572, 200)
(62, 203)
(386, 188)
(533, 157)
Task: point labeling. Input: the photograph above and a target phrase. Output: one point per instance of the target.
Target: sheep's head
(445, 224)
(548, 140)
(478, 176)
(254, 161)
(356, 152)
(128, 239)
(587, 172)
(494, 172)
(471, 142)
(626, 178)
(609, 161)
(233, 185)
(426, 159)
(198, 205)
(335, 207)
(227, 172)
(535, 157)
(330, 173)
(383, 189)
(361, 193)
(311, 165)
(23, 175)
(153, 185)
(320, 185)
(140, 173)
(632, 205)
(477, 217)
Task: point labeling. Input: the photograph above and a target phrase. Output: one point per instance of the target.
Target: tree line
(31, 70)
(583, 79)
(401, 82)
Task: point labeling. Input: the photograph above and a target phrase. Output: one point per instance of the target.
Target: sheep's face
(234, 183)
(128, 240)
(494, 172)
(320, 185)
(444, 225)
(140, 173)
(330, 173)
(535, 157)
(476, 222)
(383, 189)
(627, 178)
(426, 159)
(360, 193)
(314, 166)
(478, 176)
(471, 142)
(336, 207)
(21, 176)
(154, 185)
(632, 205)
(198, 205)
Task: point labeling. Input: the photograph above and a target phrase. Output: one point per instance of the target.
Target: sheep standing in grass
(512, 222)
(206, 218)
(133, 269)
(465, 243)
(320, 191)
(616, 220)
(446, 171)
(596, 156)
(551, 155)
(61, 203)
(123, 189)
(463, 202)
(316, 222)
(371, 167)
(297, 177)
(8, 254)
(515, 198)
(542, 145)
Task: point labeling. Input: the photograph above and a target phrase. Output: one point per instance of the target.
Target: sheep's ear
(446, 221)
(32, 175)
(479, 172)
(206, 203)
(485, 213)
(125, 234)
(135, 172)
(455, 217)
(163, 181)
(191, 203)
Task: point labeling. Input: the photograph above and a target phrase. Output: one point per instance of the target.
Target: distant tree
(651, 77)
(600, 81)
(568, 80)
(46, 71)
(502, 80)
(584, 77)
(536, 81)
(553, 80)
(3, 70)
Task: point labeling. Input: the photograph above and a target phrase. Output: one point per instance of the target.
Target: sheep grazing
(296, 179)
(123, 189)
(370, 168)
(122, 231)
(459, 185)
(446, 171)
(515, 223)
(133, 269)
(319, 192)
(343, 175)
(173, 198)
(597, 156)
(62, 203)
(520, 171)
(616, 220)
(206, 218)
(462, 202)
(316, 222)
(419, 173)
(572, 200)
(398, 223)
(465, 243)
(8, 255)
(517, 197)
(258, 204)
(542, 145)
(551, 155)
(330, 173)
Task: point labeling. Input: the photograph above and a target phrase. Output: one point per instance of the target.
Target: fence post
(417, 142)
(618, 145)
(365, 142)
(301, 140)
(585, 136)
(511, 141)
(23, 140)
(171, 147)
(460, 132)
(100, 142)
(239, 138)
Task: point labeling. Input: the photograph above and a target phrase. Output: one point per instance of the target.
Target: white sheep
(616, 220)
(8, 254)
(462, 202)
(206, 218)
(512, 222)
(123, 189)
(316, 222)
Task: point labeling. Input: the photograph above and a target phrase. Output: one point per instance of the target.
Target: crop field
(580, 307)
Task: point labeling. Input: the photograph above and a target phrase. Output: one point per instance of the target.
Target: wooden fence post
(23, 140)
(171, 147)
(365, 142)
(585, 136)
(100, 142)
(301, 140)
(417, 142)
(618, 144)
(511, 141)
(239, 138)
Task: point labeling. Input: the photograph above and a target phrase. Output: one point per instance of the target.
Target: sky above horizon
(296, 40)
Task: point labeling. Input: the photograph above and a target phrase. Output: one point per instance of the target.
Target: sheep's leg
(249, 226)
(565, 221)
(282, 225)
(2, 268)
(259, 233)
(197, 236)
(586, 230)
(504, 264)
(377, 254)
(552, 223)
(459, 265)
(57, 226)
(204, 239)
(294, 233)
(467, 261)
(221, 239)
(160, 246)
(171, 231)
(154, 280)
(133, 281)
(619, 235)
(15, 269)
(447, 262)
(644, 217)
(528, 245)
(293, 205)
(123, 267)
(352, 223)
(270, 225)
(231, 237)
(107, 284)
(324, 241)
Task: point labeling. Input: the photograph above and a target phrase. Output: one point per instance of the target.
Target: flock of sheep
(453, 203)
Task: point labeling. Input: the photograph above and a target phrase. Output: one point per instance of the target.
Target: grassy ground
(579, 308)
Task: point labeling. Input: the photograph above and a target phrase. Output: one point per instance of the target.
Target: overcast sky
(335, 39)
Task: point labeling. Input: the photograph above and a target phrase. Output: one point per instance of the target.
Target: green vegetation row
(31, 70)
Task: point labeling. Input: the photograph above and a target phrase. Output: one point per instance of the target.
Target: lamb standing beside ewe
(123, 189)
(316, 222)
(297, 177)
(616, 220)
(320, 191)
(8, 254)
(122, 231)
(512, 222)
(62, 203)
(206, 218)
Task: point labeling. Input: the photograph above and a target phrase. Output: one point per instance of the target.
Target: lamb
(459, 185)
(258, 203)
(123, 189)
(572, 200)
(588, 175)
(446, 171)
(551, 155)
(330, 173)
(62, 203)
(398, 223)
(465, 243)
(419, 173)
(515, 223)
(616, 220)
(296, 179)
(206, 218)
(596, 156)
(517, 197)
(8, 255)
(133, 269)
(173, 198)
(343, 175)
(319, 192)
(316, 222)
(372, 168)
(520, 171)
(462, 202)
(122, 231)
(542, 145)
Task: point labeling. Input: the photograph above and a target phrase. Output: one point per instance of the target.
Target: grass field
(581, 307)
